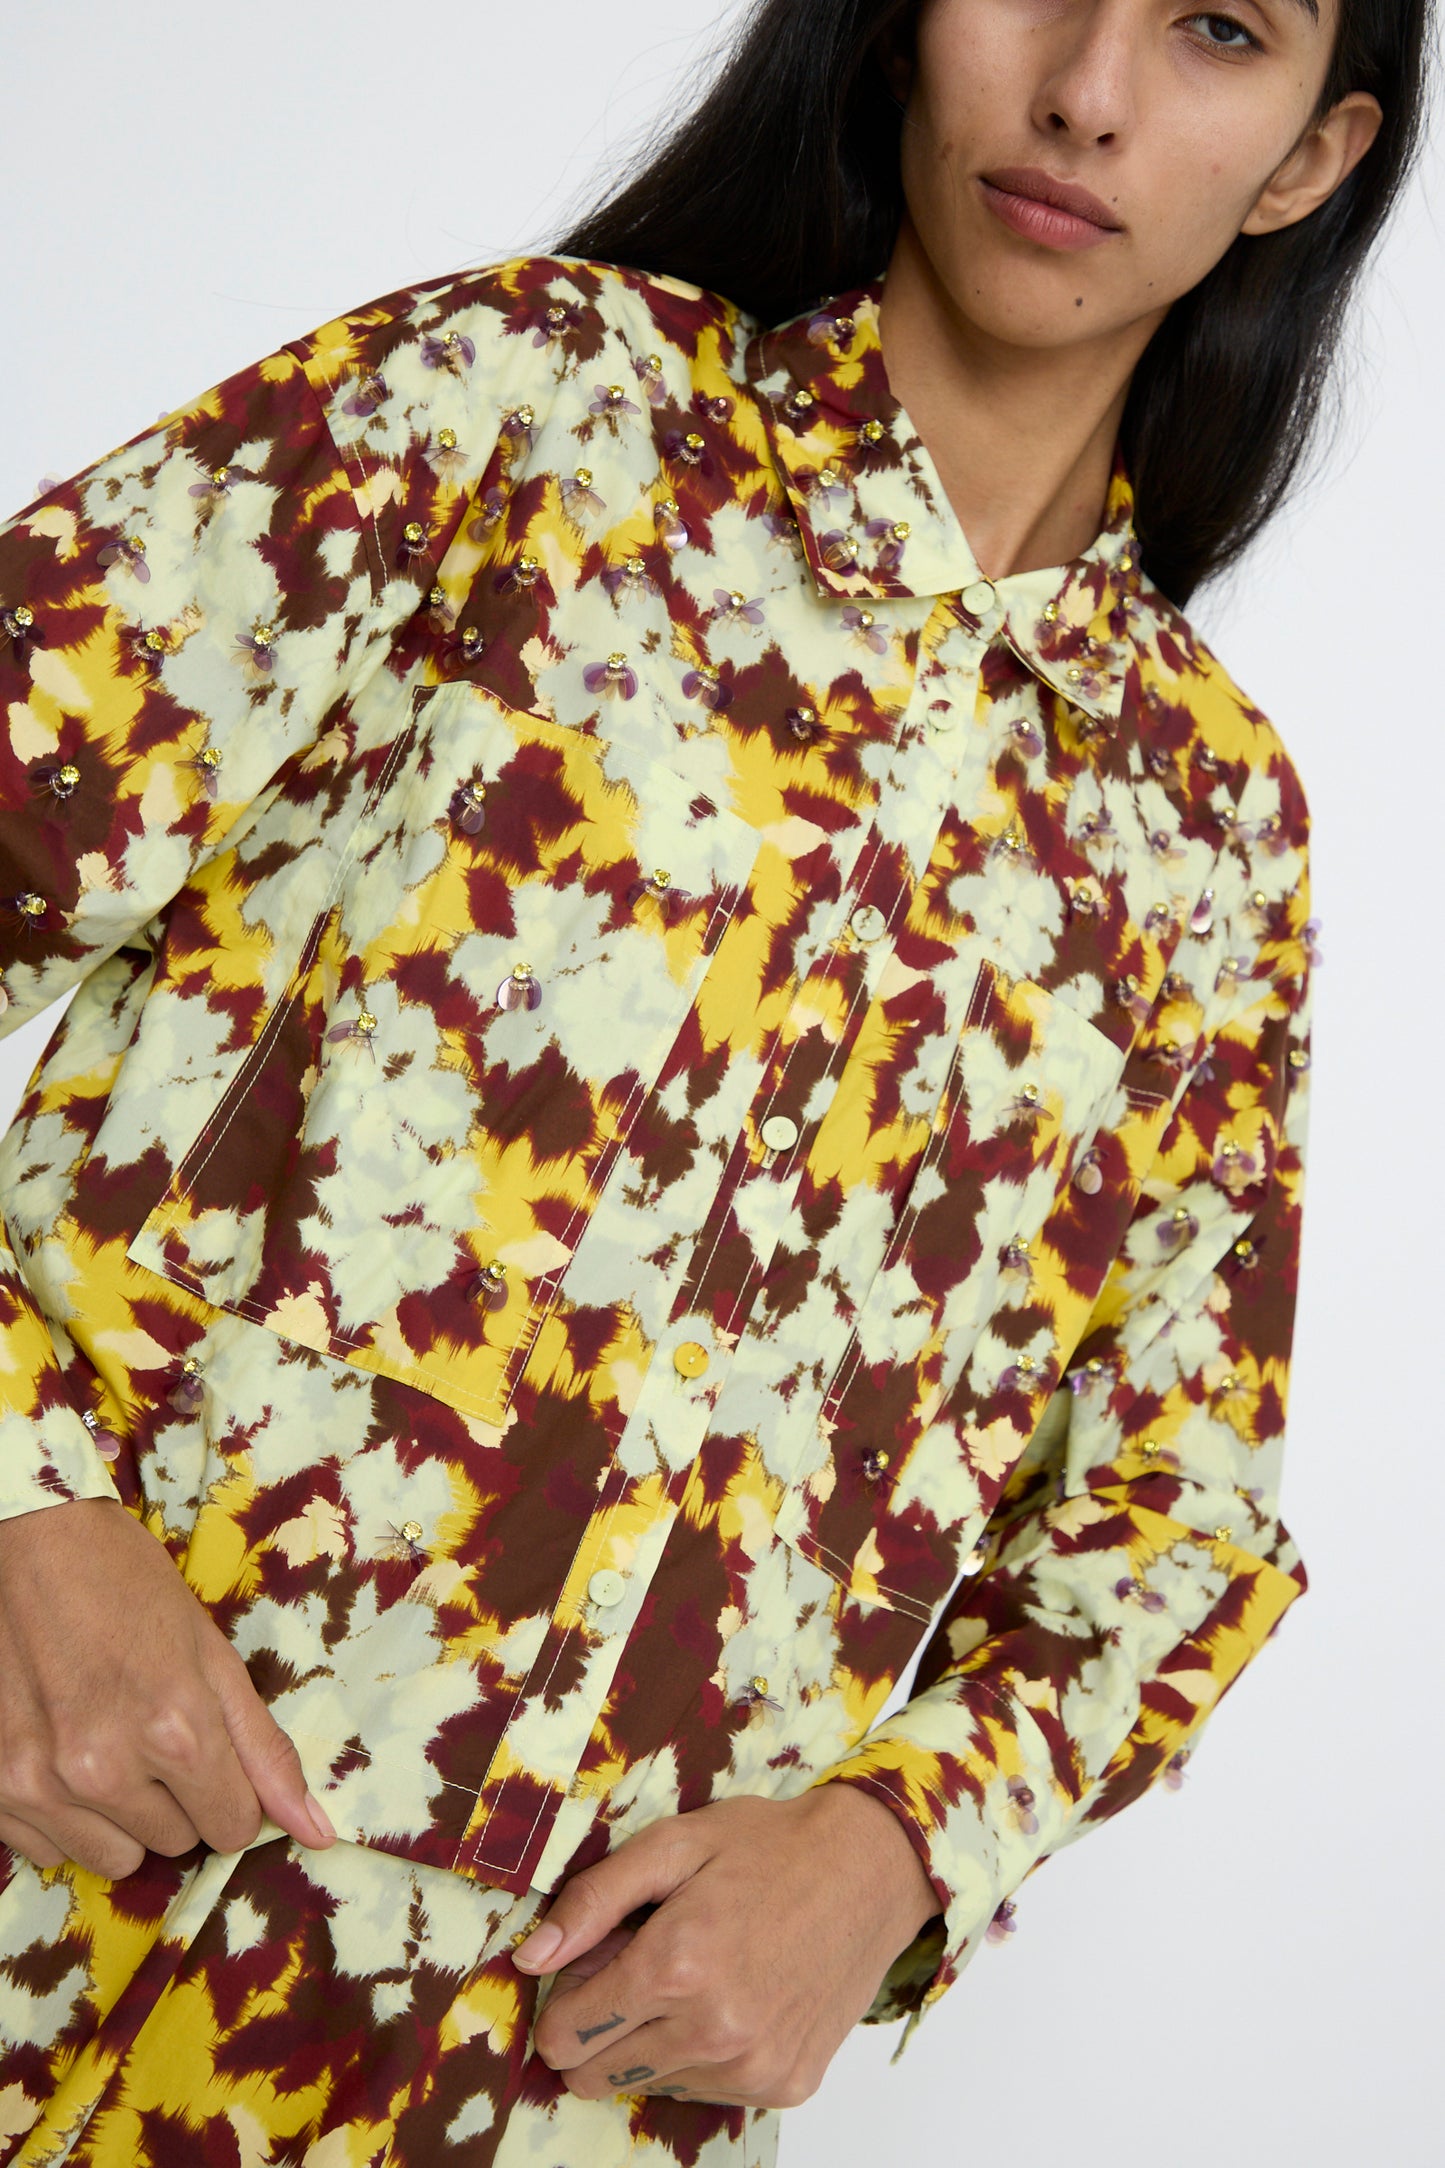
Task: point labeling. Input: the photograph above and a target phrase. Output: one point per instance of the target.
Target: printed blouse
(673, 1100)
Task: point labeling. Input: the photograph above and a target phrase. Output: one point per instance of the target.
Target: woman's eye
(1239, 42)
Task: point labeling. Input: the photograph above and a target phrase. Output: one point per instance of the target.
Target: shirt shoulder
(1196, 711)
(529, 323)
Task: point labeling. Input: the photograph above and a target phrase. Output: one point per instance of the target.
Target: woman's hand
(775, 1922)
(127, 1719)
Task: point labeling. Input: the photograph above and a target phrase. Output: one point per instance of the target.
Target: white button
(868, 922)
(778, 1133)
(979, 597)
(607, 1586)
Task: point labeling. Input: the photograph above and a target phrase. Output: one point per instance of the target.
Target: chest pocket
(960, 1334)
(399, 1170)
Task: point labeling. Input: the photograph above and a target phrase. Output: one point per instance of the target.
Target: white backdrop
(1246, 1969)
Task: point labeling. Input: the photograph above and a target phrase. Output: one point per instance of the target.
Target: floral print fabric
(673, 1099)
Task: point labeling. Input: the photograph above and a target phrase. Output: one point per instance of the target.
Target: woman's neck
(1022, 437)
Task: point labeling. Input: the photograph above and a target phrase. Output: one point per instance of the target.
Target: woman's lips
(1043, 222)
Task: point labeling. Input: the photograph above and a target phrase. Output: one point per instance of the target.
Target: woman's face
(1187, 127)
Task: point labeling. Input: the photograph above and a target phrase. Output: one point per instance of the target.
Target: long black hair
(782, 185)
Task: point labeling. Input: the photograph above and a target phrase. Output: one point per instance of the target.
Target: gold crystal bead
(524, 416)
(414, 531)
(447, 438)
(872, 431)
(693, 441)
(412, 1531)
(759, 1684)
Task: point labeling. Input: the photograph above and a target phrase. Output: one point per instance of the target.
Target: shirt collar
(876, 521)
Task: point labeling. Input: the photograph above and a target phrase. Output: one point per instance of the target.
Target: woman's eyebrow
(1311, 8)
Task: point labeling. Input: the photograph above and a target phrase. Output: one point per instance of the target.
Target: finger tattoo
(590, 2032)
(632, 2076)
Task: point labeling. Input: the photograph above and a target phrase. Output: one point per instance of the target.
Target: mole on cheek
(1078, 301)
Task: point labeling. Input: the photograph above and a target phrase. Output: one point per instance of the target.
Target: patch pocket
(400, 1170)
(916, 1429)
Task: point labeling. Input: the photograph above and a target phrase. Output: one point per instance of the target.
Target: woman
(688, 1063)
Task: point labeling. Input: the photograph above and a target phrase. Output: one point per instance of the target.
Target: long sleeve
(1136, 1560)
(177, 623)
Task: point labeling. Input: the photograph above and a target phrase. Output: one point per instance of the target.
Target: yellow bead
(524, 416)
(412, 1531)
(1051, 612)
(872, 431)
(414, 531)
(1223, 1534)
(900, 530)
(447, 439)
(693, 441)
(584, 476)
(758, 1685)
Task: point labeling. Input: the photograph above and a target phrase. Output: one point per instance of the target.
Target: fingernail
(539, 1945)
(319, 1815)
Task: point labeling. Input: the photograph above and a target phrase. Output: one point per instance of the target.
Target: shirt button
(940, 718)
(690, 1357)
(778, 1133)
(868, 922)
(607, 1586)
(979, 597)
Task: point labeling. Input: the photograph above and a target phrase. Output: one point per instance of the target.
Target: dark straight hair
(782, 186)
